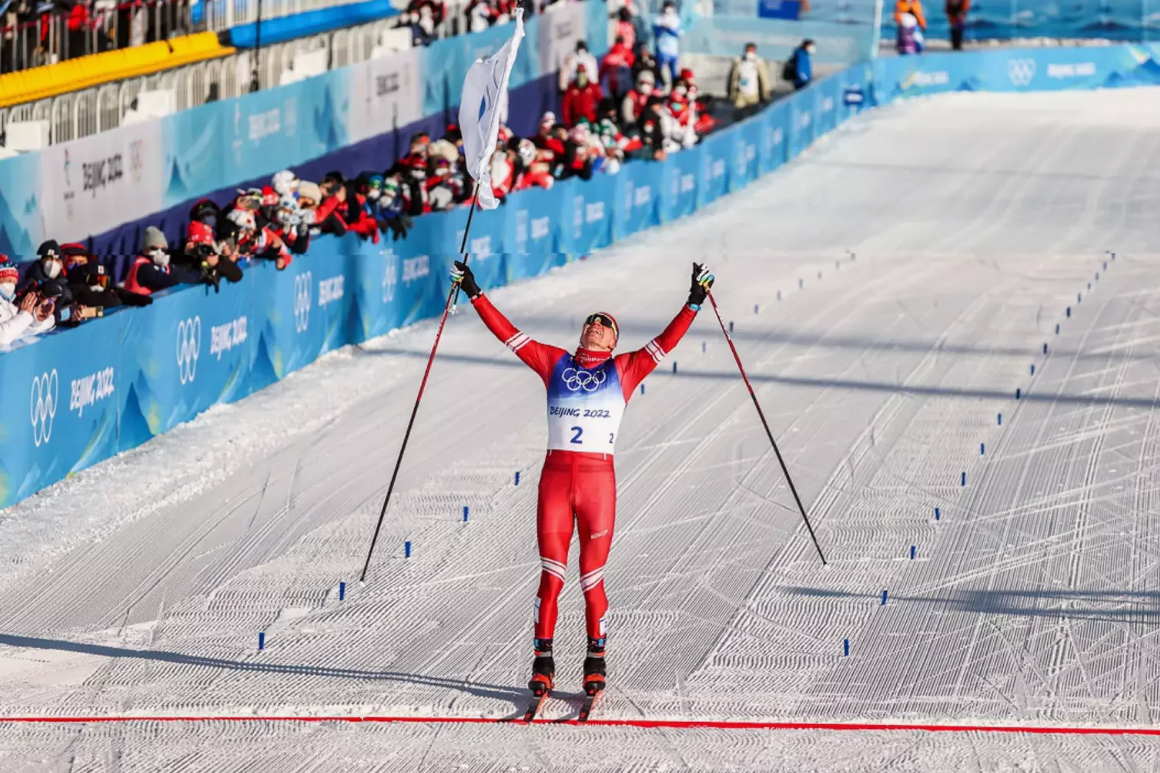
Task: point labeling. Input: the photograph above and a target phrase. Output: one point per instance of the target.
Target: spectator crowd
(633, 103)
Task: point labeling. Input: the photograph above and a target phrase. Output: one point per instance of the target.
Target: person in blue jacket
(667, 31)
(799, 68)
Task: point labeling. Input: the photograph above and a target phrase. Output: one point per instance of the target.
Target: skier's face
(596, 335)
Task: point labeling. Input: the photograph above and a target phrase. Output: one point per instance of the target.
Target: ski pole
(451, 296)
(761, 414)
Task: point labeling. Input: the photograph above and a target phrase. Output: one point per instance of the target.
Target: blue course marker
(937, 514)
(1033, 369)
(1089, 285)
(730, 328)
(341, 591)
(913, 551)
(1069, 311)
(642, 388)
(982, 449)
(1000, 420)
(407, 549)
(964, 479)
(704, 347)
(1078, 297)
(846, 647)
(1018, 393)
(755, 307)
(883, 598)
(801, 283)
(466, 511)
(261, 640)
(517, 477)
(674, 366)
(1057, 328)
(1045, 348)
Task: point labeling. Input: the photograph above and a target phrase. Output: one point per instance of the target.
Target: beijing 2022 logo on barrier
(42, 405)
(302, 294)
(188, 348)
(1021, 71)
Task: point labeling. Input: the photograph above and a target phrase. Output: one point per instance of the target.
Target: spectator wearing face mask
(31, 315)
(798, 68)
(573, 62)
(633, 104)
(49, 268)
(385, 205)
(667, 32)
(150, 271)
(748, 81)
(580, 100)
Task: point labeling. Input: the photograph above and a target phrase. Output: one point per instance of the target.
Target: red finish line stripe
(641, 723)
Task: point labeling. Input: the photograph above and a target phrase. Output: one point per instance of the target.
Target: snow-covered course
(139, 587)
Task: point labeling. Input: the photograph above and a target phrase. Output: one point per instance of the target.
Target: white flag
(484, 102)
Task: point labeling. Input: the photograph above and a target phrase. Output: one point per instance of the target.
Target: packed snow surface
(976, 222)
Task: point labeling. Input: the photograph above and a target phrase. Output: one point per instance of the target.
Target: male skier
(587, 394)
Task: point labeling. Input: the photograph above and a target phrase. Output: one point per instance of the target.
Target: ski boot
(543, 668)
(594, 669)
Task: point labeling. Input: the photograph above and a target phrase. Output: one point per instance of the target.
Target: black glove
(461, 275)
(702, 281)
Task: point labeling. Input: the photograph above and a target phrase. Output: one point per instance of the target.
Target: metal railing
(84, 113)
(87, 112)
(32, 37)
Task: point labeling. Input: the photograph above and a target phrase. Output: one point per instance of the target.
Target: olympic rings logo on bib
(588, 380)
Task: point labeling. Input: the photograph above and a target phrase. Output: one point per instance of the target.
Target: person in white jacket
(32, 316)
(572, 63)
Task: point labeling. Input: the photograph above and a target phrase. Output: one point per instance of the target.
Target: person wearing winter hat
(150, 271)
(632, 107)
(31, 315)
(50, 268)
(587, 393)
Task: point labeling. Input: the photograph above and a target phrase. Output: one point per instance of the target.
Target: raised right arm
(537, 356)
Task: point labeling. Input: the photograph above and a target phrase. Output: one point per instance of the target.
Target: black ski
(586, 706)
(534, 705)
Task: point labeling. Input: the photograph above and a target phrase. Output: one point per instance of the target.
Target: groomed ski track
(137, 589)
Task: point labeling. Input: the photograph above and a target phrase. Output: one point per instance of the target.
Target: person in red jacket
(616, 69)
(587, 394)
(581, 99)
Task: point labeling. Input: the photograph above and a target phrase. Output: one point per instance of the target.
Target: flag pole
(484, 91)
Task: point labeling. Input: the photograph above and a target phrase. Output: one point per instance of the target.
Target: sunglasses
(603, 319)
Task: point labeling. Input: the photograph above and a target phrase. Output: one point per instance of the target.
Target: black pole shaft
(256, 79)
(451, 296)
(768, 432)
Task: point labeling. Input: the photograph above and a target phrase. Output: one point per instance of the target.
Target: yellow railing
(87, 71)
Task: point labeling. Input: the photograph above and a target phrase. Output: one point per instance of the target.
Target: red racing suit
(587, 395)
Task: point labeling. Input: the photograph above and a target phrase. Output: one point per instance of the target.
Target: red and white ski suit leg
(582, 488)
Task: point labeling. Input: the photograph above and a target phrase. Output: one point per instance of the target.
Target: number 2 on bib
(576, 438)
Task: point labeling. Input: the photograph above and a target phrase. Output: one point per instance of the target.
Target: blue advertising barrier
(1017, 69)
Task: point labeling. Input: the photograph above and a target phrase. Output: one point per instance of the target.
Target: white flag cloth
(483, 104)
